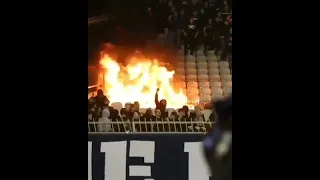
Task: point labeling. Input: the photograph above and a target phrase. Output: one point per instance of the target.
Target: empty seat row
(215, 78)
(213, 90)
(213, 71)
(201, 58)
(204, 98)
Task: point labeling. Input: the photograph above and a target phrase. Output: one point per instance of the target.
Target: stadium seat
(191, 78)
(214, 78)
(180, 71)
(192, 91)
(180, 65)
(170, 110)
(226, 77)
(191, 65)
(180, 78)
(216, 91)
(203, 78)
(202, 71)
(210, 53)
(117, 105)
(204, 84)
(180, 58)
(191, 71)
(227, 91)
(201, 59)
(227, 84)
(213, 71)
(180, 52)
(225, 71)
(215, 84)
(213, 65)
(193, 98)
(202, 65)
(206, 112)
(199, 53)
(216, 97)
(192, 84)
(205, 98)
(205, 91)
(190, 58)
(223, 64)
(143, 110)
(211, 58)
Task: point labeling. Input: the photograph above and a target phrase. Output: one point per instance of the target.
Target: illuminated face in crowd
(158, 113)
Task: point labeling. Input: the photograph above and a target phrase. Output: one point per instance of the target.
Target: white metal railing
(143, 125)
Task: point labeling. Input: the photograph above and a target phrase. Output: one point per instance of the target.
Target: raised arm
(156, 100)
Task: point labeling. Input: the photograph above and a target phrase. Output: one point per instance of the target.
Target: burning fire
(138, 81)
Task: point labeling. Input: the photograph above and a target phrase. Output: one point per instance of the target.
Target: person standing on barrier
(218, 142)
(190, 33)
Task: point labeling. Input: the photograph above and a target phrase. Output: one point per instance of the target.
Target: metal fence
(151, 125)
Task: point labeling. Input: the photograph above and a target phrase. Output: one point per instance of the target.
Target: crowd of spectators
(194, 23)
(105, 118)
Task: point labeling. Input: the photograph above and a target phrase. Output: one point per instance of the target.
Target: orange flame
(138, 81)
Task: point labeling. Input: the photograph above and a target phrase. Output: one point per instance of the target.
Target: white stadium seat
(180, 52)
(191, 71)
(202, 65)
(180, 58)
(180, 65)
(216, 97)
(180, 78)
(206, 113)
(202, 71)
(226, 78)
(223, 64)
(211, 58)
(199, 53)
(203, 78)
(191, 65)
(205, 98)
(117, 105)
(215, 84)
(193, 98)
(192, 91)
(227, 91)
(191, 78)
(201, 59)
(204, 84)
(192, 84)
(180, 71)
(205, 91)
(213, 71)
(215, 78)
(227, 84)
(190, 58)
(224, 71)
(210, 53)
(216, 91)
(213, 65)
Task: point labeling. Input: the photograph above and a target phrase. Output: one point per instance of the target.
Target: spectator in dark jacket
(101, 99)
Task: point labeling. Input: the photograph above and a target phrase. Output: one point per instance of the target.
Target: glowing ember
(138, 81)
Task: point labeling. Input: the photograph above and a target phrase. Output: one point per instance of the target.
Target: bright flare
(138, 81)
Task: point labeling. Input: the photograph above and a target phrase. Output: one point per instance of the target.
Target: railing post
(133, 126)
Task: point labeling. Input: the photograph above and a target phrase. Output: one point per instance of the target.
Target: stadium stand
(204, 75)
